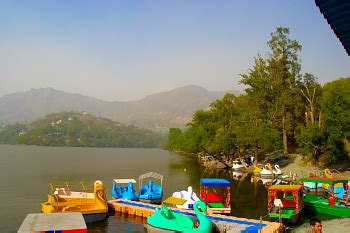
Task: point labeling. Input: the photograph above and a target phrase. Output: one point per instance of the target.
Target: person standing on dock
(316, 225)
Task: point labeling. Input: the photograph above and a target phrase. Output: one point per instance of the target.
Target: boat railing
(279, 220)
(77, 186)
(151, 175)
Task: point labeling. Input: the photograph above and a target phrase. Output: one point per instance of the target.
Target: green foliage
(312, 141)
(335, 106)
(329, 136)
(79, 129)
(280, 106)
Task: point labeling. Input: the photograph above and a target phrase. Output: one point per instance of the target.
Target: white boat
(237, 165)
(277, 171)
(267, 171)
(189, 196)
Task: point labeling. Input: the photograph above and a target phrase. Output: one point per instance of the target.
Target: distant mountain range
(173, 108)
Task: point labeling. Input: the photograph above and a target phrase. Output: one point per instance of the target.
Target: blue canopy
(215, 182)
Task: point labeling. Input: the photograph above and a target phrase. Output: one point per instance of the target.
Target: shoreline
(302, 169)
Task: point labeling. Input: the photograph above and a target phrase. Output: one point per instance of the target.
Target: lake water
(25, 172)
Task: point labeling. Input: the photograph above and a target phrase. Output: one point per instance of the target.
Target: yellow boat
(93, 205)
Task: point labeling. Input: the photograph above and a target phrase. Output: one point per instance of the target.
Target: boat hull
(152, 229)
(320, 205)
(90, 218)
(293, 218)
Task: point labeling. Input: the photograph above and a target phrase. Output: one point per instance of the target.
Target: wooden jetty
(54, 222)
(221, 223)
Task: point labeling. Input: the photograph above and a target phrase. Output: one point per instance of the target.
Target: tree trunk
(285, 140)
(312, 114)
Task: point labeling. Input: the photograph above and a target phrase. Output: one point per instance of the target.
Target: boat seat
(288, 203)
(216, 205)
(214, 197)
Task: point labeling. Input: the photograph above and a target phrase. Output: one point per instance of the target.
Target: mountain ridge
(173, 108)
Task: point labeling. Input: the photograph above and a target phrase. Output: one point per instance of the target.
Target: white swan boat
(277, 171)
(269, 171)
(189, 196)
(237, 165)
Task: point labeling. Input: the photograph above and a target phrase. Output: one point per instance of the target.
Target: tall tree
(311, 91)
(273, 85)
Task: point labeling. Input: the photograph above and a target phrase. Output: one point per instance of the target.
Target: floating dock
(54, 222)
(221, 223)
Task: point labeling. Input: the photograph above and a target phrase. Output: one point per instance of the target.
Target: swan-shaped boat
(189, 196)
(93, 206)
(267, 171)
(120, 190)
(277, 171)
(165, 220)
(151, 193)
(237, 165)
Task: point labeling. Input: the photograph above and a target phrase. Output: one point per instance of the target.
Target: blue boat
(124, 188)
(151, 192)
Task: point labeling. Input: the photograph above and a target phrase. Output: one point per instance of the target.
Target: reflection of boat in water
(151, 193)
(237, 175)
(189, 196)
(124, 188)
(285, 201)
(165, 220)
(93, 205)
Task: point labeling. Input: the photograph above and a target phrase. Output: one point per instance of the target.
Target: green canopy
(323, 180)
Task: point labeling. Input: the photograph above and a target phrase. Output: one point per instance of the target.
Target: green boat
(322, 201)
(285, 202)
(165, 220)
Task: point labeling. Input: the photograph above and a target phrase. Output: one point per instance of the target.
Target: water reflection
(27, 170)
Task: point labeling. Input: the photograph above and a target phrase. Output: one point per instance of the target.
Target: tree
(335, 106)
(311, 91)
(273, 84)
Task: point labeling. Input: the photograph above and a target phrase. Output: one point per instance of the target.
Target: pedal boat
(321, 201)
(237, 165)
(189, 196)
(124, 188)
(285, 201)
(93, 205)
(151, 193)
(216, 193)
(165, 220)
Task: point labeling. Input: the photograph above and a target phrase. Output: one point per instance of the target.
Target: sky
(126, 50)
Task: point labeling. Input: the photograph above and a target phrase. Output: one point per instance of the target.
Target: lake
(25, 172)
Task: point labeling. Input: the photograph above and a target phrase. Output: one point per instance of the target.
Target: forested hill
(79, 129)
(159, 111)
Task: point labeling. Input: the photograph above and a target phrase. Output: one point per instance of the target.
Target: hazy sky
(125, 50)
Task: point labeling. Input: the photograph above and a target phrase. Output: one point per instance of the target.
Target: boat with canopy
(151, 192)
(285, 202)
(216, 193)
(325, 202)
